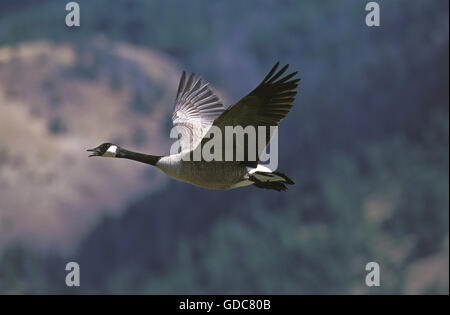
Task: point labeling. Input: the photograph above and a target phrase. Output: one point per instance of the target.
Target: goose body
(197, 111)
(212, 175)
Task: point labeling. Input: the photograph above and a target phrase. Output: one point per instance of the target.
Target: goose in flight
(197, 111)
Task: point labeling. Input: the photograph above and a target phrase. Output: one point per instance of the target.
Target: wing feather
(195, 109)
(266, 105)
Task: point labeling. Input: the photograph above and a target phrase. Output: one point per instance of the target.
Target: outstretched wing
(196, 107)
(265, 106)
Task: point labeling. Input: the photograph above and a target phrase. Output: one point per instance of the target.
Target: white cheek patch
(111, 152)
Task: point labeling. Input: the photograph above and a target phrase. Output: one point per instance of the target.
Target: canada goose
(197, 110)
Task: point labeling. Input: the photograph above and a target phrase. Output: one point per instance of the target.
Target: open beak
(96, 152)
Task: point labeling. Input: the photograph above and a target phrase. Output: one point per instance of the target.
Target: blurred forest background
(367, 144)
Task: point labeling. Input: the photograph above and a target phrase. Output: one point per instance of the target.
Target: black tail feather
(278, 185)
(288, 180)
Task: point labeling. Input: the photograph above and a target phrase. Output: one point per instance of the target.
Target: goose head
(105, 150)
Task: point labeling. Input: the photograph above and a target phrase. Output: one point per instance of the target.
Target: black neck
(140, 157)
